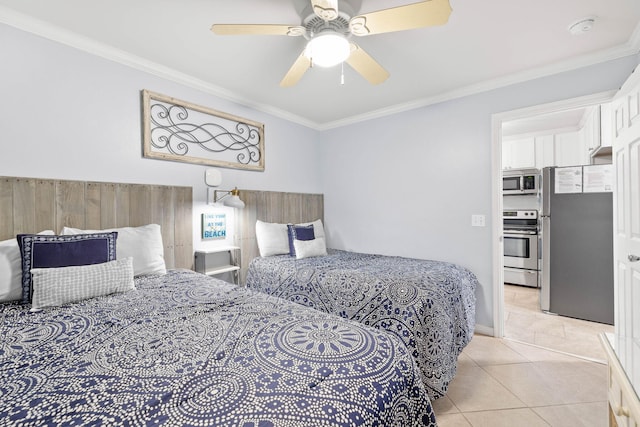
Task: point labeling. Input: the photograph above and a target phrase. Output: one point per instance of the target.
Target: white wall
(67, 114)
(408, 184)
(405, 184)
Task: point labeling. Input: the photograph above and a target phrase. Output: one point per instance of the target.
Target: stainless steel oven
(521, 247)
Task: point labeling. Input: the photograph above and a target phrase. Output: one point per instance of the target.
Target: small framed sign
(214, 226)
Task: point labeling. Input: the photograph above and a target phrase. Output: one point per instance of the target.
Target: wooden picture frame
(181, 131)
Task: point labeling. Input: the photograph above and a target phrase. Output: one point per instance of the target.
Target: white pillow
(310, 248)
(143, 244)
(58, 286)
(273, 238)
(11, 269)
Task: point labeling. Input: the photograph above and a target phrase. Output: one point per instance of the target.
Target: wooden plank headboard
(271, 206)
(30, 205)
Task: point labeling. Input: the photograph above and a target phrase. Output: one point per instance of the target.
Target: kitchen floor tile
(444, 405)
(525, 322)
(523, 417)
(452, 420)
(535, 353)
(582, 344)
(535, 387)
(465, 363)
(486, 351)
(475, 390)
(580, 415)
(552, 383)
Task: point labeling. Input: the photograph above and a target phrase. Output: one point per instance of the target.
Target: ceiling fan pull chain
(342, 75)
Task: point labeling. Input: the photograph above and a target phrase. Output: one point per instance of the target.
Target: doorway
(517, 313)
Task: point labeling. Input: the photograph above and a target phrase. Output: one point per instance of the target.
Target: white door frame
(496, 186)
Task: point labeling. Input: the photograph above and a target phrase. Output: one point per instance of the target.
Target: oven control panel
(520, 214)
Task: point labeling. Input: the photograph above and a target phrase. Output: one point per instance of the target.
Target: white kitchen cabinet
(569, 149)
(519, 153)
(506, 155)
(586, 145)
(606, 128)
(602, 152)
(591, 128)
(545, 151)
(562, 149)
(590, 144)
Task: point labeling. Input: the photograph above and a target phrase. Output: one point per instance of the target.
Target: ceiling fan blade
(417, 15)
(296, 71)
(325, 9)
(257, 29)
(368, 67)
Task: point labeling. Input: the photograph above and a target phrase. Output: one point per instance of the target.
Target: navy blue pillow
(42, 251)
(299, 232)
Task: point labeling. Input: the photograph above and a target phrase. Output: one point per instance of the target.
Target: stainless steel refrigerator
(576, 242)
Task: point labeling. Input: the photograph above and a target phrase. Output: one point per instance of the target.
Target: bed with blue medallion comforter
(184, 349)
(430, 305)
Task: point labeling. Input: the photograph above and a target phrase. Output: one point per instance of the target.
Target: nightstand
(218, 261)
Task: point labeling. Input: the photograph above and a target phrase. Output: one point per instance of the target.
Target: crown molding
(91, 46)
(632, 47)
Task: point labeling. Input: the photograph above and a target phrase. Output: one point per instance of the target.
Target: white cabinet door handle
(633, 258)
(622, 411)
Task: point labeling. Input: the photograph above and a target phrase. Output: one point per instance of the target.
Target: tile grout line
(577, 356)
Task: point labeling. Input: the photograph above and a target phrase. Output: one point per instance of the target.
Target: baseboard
(484, 330)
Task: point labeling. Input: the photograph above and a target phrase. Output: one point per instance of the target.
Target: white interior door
(626, 199)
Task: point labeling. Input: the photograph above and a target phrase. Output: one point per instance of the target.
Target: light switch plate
(477, 220)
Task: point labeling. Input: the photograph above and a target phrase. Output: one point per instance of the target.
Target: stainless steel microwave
(520, 181)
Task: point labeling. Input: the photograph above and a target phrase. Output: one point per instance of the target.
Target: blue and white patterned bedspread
(430, 305)
(188, 350)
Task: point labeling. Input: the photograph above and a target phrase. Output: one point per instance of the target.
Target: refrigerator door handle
(544, 263)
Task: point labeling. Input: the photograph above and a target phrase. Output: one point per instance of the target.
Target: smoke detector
(582, 26)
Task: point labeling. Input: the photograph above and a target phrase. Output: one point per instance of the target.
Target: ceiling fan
(328, 30)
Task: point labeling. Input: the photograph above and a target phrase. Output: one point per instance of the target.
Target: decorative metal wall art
(184, 132)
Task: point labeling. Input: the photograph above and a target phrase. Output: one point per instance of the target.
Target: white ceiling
(485, 44)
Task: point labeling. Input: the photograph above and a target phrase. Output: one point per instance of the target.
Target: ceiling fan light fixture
(327, 50)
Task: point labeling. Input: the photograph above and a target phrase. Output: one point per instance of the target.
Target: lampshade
(229, 198)
(234, 202)
(233, 199)
(327, 50)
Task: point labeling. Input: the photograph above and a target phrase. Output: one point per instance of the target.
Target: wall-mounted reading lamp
(232, 198)
(213, 178)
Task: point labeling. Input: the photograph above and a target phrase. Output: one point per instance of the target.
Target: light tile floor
(525, 322)
(506, 383)
(517, 382)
